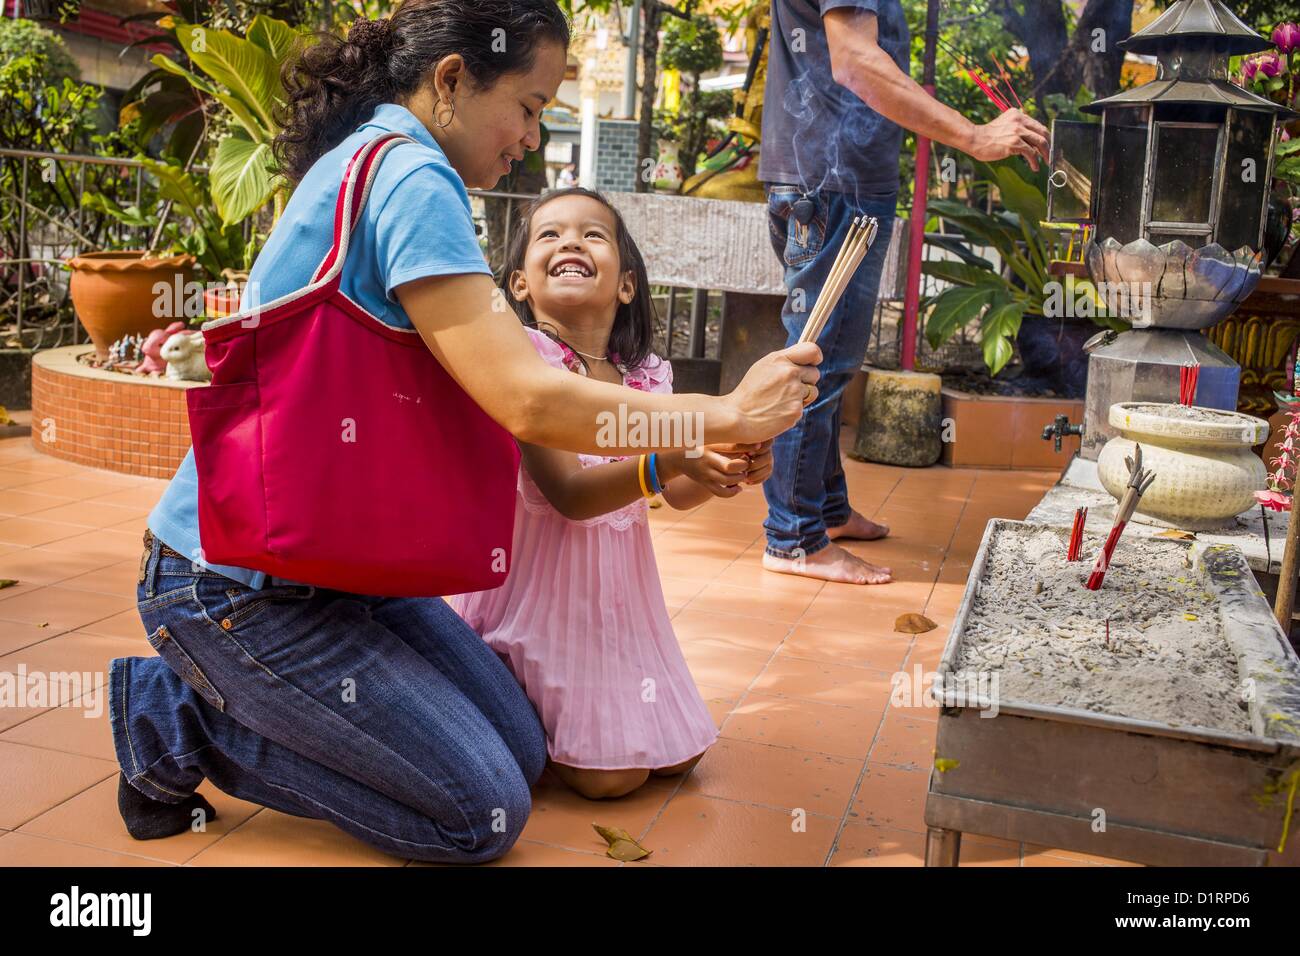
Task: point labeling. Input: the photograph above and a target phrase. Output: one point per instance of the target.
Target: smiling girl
(581, 619)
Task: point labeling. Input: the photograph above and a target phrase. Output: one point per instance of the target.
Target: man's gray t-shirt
(816, 132)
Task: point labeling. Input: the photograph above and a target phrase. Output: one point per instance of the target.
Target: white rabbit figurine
(183, 353)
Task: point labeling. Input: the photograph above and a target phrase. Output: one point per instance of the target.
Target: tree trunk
(1061, 63)
(649, 70)
(696, 129)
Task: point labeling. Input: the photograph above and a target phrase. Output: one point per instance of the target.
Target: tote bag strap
(351, 202)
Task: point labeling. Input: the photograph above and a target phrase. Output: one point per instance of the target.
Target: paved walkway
(796, 673)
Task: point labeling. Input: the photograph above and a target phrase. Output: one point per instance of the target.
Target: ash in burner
(1035, 623)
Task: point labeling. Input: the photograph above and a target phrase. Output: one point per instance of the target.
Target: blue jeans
(388, 717)
(806, 492)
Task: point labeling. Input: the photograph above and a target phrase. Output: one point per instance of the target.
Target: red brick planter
(125, 423)
(998, 431)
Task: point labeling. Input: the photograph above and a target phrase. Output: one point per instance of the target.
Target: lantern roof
(1196, 20)
(1205, 92)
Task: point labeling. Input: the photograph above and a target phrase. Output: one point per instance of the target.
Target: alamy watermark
(1086, 300)
(633, 429)
(39, 689)
(965, 688)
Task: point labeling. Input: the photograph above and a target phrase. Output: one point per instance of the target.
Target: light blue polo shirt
(417, 223)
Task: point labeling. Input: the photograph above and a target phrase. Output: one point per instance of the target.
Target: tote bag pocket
(226, 425)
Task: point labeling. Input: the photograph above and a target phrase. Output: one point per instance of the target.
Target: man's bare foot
(831, 563)
(858, 528)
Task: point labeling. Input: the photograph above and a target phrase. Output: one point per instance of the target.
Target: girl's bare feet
(858, 528)
(831, 563)
(599, 784)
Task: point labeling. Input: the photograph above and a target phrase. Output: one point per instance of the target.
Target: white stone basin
(1206, 472)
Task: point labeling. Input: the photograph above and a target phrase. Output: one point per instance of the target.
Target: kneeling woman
(387, 716)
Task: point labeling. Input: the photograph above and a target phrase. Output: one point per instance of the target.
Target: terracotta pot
(113, 293)
(1205, 469)
(219, 303)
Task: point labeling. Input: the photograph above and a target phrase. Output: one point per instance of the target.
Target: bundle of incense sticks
(1138, 482)
(861, 234)
(988, 86)
(1076, 534)
(1187, 376)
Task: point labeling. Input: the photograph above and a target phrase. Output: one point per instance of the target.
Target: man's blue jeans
(388, 717)
(806, 492)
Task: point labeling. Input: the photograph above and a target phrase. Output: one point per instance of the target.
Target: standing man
(838, 93)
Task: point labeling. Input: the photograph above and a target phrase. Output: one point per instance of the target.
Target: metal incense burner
(1175, 179)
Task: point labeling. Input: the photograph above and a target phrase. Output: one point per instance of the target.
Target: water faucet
(1059, 428)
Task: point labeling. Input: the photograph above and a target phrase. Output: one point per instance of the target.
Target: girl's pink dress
(581, 622)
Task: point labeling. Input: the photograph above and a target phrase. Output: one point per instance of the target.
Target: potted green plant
(1015, 300)
(242, 76)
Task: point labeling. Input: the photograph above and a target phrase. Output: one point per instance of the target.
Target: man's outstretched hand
(1011, 134)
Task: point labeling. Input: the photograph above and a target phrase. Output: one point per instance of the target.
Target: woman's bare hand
(775, 390)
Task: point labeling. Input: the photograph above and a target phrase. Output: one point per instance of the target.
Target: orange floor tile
(813, 767)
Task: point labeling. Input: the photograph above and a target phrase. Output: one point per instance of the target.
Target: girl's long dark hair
(632, 336)
(335, 84)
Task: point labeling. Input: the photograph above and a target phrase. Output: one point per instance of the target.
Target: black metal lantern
(1175, 180)
(1188, 155)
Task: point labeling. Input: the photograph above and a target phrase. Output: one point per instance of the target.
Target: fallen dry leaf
(1177, 535)
(913, 624)
(622, 845)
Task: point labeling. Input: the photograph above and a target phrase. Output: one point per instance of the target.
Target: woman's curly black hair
(334, 84)
(632, 336)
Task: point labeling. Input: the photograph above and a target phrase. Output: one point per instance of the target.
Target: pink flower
(1287, 37)
(1271, 65)
(1274, 500)
(1248, 68)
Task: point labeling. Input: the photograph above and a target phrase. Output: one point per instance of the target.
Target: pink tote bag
(335, 450)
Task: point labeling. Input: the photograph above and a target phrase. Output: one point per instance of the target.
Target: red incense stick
(1006, 78)
(1102, 564)
(997, 100)
(1187, 377)
(1139, 481)
(1076, 534)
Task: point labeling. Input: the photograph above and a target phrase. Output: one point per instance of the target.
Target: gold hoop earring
(449, 118)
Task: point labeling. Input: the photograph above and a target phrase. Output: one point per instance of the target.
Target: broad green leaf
(242, 181)
(242, 67)
(158, 109)
(1287, 167)
(238, 110)
(978, 225)
(1020, 197)
(953, 308)
(959, 248)
(130, 215)
(997, 353)
(998, 328)
(162, 61)
(961, 273)
(178, 186)
(274, 36)
(1289, 147)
